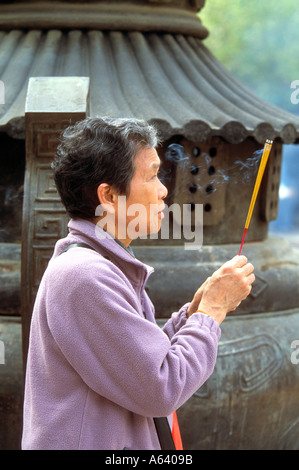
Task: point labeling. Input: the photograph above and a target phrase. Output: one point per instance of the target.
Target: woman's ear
(107, 197)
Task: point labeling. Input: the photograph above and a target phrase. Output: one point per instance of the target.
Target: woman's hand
(224, 290)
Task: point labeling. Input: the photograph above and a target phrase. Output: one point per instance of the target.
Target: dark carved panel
(45, 186)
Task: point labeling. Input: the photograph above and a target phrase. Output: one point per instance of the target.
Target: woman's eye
(156, 175)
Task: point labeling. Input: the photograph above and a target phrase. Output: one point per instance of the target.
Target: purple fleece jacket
(99, 367)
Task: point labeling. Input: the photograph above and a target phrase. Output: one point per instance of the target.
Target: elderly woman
(101, 374)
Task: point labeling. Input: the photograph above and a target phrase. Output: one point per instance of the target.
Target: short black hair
(98, 150)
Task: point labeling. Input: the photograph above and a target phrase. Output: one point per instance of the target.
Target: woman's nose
(163, 191)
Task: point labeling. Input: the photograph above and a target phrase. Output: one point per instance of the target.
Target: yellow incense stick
(266, 152)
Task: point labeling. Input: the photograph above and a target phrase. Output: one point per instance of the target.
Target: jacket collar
(81, 230)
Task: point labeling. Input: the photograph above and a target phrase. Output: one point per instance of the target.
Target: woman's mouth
(161, 213)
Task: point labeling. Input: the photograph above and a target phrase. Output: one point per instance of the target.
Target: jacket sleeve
(176, 321)
(96, 323)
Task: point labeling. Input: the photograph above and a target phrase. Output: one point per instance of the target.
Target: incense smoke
(240, 171)
(176, 153)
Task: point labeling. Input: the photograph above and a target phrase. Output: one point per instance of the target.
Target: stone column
(52, 104)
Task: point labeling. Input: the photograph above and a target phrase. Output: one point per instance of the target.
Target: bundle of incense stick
(266, 152)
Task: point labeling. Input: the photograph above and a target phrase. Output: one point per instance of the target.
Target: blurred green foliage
(257, 41)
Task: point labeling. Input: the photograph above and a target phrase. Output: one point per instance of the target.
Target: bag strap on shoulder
(75, 245)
